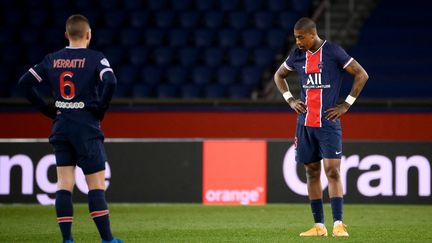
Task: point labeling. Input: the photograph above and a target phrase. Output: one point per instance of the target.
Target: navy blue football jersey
(321, 73)
(74, 75)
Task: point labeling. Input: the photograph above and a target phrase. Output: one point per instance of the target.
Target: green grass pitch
(198, 223)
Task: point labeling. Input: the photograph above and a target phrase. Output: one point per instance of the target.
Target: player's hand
(297, 105)
(334, 113)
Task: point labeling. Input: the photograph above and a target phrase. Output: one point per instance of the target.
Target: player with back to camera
(75, 73)
(320, 65)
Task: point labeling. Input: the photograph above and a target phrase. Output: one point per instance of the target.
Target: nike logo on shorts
(338, 152)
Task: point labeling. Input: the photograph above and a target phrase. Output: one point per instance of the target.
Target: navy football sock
(64, 210)
(99, 212)
(336, 205)
(317, 210)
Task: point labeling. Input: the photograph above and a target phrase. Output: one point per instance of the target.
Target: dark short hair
(305, 24)
(76, 26)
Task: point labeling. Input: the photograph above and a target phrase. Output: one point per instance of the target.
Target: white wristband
(287, 95)
(350, 99)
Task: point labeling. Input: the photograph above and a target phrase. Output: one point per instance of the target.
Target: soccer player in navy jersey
(320, 65)
(75, 74)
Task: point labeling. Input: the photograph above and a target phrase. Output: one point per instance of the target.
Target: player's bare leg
(96, 180)
(98, 206)
(66, 178)
(313, 175)
(332, 170)
(63, 203)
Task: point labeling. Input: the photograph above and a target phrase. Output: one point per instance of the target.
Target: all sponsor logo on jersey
(314, 82)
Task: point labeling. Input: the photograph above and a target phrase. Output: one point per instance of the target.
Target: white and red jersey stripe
(313, 96)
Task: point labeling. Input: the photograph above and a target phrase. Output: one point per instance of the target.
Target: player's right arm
(27, 84)
(279, 78)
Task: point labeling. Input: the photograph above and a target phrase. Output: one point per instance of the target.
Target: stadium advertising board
(371, 172)
(137, 172)
(234, 172)
(221, 172)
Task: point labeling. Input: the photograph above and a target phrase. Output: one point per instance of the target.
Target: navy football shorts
(315, 143)
(78, 144)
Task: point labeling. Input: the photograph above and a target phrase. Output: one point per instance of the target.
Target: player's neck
(78, 44)
(318, 43)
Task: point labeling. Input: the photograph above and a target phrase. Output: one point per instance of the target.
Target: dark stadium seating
(142, 90)
(213, 57)
(202, 75)
(215, 91)
(251, 38)
(167, 91)
(238, 56)
(263, 20)
(151, 75)
(250, 76)
(138, 18)
(228, 37)
(188, 56)
(394, 48)
(177, 75)
(158, 48)
(189, 19)
(238, 91)
(163, 56)
(191, 91)
(138, 56)
(227, 75)
(214, 19)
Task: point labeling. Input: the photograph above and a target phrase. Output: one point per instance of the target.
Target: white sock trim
(321, 225)
(337, 222)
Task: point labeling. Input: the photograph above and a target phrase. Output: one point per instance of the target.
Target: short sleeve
(39, 70)
(342, 58)
(289, 62)
(103, 66)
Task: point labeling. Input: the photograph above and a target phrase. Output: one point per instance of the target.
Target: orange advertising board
(234, 172)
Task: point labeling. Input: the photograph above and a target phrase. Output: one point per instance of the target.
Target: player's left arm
(360, 78)
(108, 82)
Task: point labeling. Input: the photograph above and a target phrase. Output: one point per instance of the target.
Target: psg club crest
(320, 65)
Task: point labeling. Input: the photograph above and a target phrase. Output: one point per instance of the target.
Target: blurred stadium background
(227, 49)
(196, 113)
